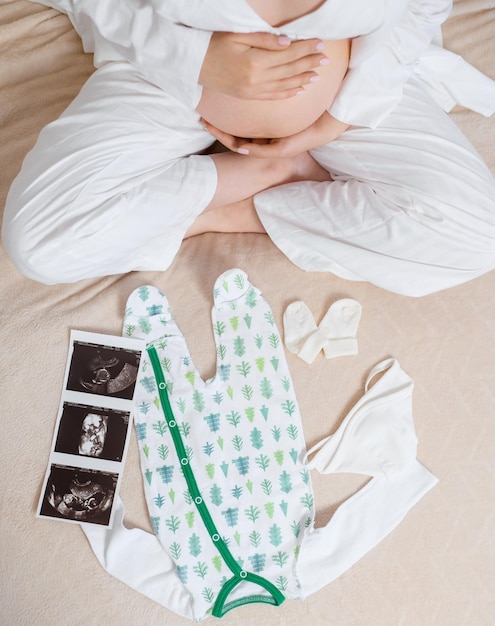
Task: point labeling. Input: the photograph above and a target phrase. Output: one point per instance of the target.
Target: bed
(437, 567)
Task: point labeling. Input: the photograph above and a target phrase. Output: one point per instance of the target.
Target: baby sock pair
(336, 334)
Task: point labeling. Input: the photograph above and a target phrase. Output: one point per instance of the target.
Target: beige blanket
(437, 568)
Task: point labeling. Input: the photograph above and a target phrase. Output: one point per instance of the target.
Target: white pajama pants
(115, 182)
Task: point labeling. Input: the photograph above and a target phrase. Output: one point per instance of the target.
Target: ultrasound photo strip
(92, 429)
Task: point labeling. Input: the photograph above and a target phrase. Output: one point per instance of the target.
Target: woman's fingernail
(325, 61)
(320, 46)
(314, 79)
(243, 151)
(298, 93)
(283, 40)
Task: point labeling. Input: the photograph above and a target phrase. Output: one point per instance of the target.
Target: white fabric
(377, 438)
(103, 200)
(380, 427)
(336, 333)
(137, 558)
(244, 440)
(299, 324)
(361, 522)
(391, 37)
(166, 52)
(411, 208)
(340, 325)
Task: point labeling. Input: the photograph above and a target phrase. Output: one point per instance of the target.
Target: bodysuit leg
(110, 186)
(411, 207)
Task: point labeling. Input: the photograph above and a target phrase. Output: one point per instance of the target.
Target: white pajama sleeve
(383, 61)
(167, 54)
(137, 558)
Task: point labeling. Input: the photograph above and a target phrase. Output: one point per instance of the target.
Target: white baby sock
(299, 324)
(340, 325)
(336, 334)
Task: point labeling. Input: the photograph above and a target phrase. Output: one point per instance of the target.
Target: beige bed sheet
(437, 567)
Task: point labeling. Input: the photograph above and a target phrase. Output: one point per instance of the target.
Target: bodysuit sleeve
(136, 558)
(377, 438)
(168, 54)
(383, 61)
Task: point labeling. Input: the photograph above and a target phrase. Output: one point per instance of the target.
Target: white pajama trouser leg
(110, 186)
(411, 207)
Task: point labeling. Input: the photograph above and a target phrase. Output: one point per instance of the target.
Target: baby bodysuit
(223, 459)
(226, 473)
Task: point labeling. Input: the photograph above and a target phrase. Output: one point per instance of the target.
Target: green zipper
(220, 608)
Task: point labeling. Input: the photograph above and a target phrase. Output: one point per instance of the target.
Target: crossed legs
(118, 181)
(239, 178)
(121, 178)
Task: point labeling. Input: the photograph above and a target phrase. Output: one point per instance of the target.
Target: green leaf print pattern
(219, 328)
(256, 439)
(198, 401)
(160, 427)
(275, 535)
(244, 439)
(239, 281)
(208, 595)
(175, 550)
(201, 569)
(252, 513)
(237, 442)
(173, 523)
(234, 418)
(280, 558)
(244, 368)
(239, 346)
(194, 545)
(266, 388)
(208, 448)
(217, 563)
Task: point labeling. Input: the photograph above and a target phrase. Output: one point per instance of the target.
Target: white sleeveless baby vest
(226, 473)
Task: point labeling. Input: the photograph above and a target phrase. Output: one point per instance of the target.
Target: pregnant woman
(336, 147)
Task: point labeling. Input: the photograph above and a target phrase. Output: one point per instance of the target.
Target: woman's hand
(324, 130)
(260, 66)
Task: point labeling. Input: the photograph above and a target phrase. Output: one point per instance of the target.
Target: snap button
(243, 574)
(172, 423)
(198, 500)
(162, 386)
(184, 461)
(216, 537)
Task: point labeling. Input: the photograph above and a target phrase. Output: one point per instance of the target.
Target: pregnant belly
(279, 118)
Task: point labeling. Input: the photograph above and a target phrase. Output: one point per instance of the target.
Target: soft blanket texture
(437, 567)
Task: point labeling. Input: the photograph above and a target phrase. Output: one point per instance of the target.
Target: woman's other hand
(321, 132)
(260, 66)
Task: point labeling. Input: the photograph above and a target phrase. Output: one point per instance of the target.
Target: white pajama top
(392, 39)
(414, 229)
